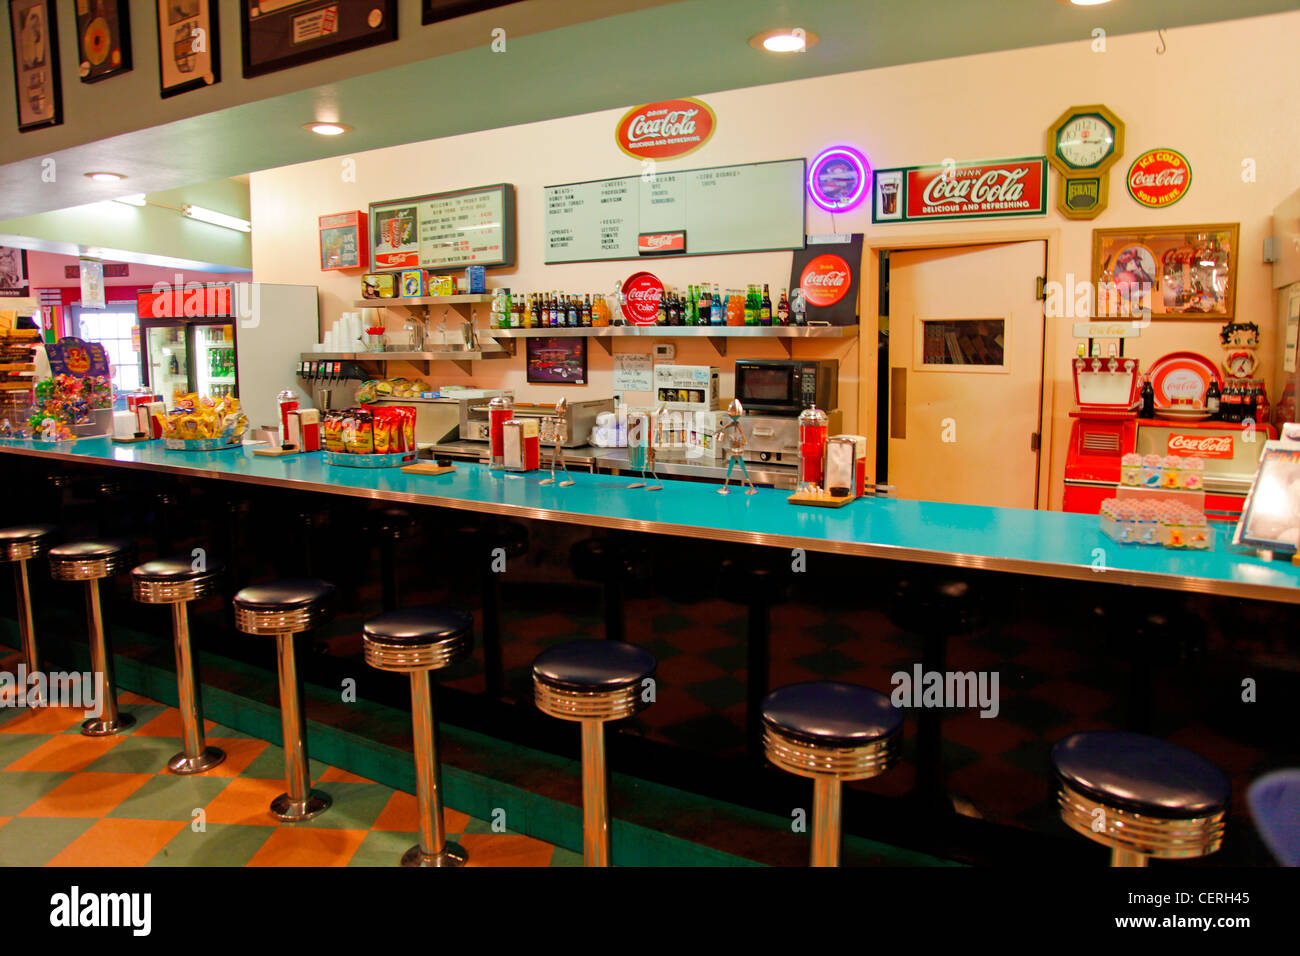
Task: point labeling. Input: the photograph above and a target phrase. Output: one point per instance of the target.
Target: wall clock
(1082, 145)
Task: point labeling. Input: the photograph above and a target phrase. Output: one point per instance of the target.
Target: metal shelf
(716, 334)
(462, 357)
(467, 299)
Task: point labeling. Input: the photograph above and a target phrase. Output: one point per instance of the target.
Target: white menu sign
(757, 207)
(444, 231)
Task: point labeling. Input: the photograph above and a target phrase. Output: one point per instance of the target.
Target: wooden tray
(428, 468)
(276, 452)
(825, 502)
(130, 441)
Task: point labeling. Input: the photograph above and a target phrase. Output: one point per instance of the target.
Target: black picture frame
(49, 64)
(20, 287)
(178, 12)
(376, 214)
(118, 23)
(266, 39)
(547, 351)
(434, 11)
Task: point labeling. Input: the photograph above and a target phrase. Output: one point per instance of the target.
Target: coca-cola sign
(665, 130)
(1200, 446)
(641, 294)
(825, 280)
(1159, 178)
(661, 243)
(983, 190)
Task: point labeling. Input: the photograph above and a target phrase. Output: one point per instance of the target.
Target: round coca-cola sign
(1159, 178)
(666, 129)
(641, 294)
(825, 280)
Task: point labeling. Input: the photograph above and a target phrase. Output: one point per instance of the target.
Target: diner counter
(1044, 543)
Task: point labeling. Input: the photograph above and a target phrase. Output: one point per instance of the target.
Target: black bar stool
(91, 561)
(19, 545)
(176, 581)
(759, 586)
(832, 732)
(1140, 796)
(609, 562)
(593, 681)
(416, 641)
(481, 543)
(281, 609)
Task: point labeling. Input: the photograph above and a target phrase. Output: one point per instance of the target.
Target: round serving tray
(392, 460)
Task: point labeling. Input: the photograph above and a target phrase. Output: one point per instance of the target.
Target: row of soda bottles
(1237, 401)
(699, 305)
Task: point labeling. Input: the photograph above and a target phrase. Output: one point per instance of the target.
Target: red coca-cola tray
(1183, 375)
(641, 294)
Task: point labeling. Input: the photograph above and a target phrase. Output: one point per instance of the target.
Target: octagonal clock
(1083, 143)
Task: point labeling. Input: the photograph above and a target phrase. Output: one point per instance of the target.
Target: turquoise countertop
(1047, 543)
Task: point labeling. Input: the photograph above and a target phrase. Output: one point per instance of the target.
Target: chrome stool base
(106, 727)
(453, 854)
(183, 763)
(288, 810)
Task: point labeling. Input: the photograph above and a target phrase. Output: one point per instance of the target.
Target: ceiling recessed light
(102, 177)
(787, 40)
(328, 129)
(1081, 3)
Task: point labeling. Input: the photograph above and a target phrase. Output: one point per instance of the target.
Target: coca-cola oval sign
(641, 294)
(1159, 178)
(825, 280)
(665, 130)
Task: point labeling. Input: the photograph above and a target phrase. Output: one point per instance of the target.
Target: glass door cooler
(187, 343)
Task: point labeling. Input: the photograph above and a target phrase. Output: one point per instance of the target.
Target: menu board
(445, 231)
(756, 207)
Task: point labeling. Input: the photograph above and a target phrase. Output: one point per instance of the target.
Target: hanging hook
(1163, 45)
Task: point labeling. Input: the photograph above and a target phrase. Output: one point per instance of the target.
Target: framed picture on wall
(277, 35)
(1179, 272)
(103, 39)
(432, 11)
(13, 273)
(34, 36)
(343, 241)
(189, 57)
(557, 361)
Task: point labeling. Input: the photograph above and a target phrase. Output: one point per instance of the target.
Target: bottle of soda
(586, 312)
(1262, 410)
(765, 307)
(751, 306)
(706, 305)
(1148, 399)
(674, 309)
(1213, 398)
(662, 318)
(1230, 404)
(783, 310)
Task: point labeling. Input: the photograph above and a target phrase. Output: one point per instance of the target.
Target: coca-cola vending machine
(1108, 426)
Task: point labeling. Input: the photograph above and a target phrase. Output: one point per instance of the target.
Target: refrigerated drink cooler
(240, 339)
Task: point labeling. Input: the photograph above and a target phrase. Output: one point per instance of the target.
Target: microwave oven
(786, 386)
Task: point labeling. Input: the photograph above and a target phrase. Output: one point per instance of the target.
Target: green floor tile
(170, 797)
(230, 733)
(34, 841)
(269, 765)
(137, 755)
(220, 844)
(19, 789)
(563, 857)
(383, 849)
(13, 746)
(477, 826)
(356, 806)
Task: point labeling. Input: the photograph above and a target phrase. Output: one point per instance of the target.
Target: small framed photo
(189, 57)
(103, 39)
(1270, 518)
(1179, 272)
(34, 35)
(559, 360)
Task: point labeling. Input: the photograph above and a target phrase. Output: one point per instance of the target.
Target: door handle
(898, 402)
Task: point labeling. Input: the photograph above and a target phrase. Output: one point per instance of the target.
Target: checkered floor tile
(69, 800)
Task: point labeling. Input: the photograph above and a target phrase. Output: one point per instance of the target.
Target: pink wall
(45, 271)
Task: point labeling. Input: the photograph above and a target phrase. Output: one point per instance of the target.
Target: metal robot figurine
(656, 436)
(732, 438)
(555, 427)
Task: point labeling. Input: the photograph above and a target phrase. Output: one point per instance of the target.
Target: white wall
(1221, 93)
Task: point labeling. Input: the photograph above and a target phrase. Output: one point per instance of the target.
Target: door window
(115, 329)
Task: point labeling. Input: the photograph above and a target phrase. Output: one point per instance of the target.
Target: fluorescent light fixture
(793, 40)
(328, 129)
(216, 218)
(1088, 3)
(134, 199)
(103, 177)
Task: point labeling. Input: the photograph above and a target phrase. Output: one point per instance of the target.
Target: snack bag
(383, 431)
(332, 431)
(359, 431)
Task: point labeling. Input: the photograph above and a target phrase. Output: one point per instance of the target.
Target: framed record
(103, 39)
(278, 34)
